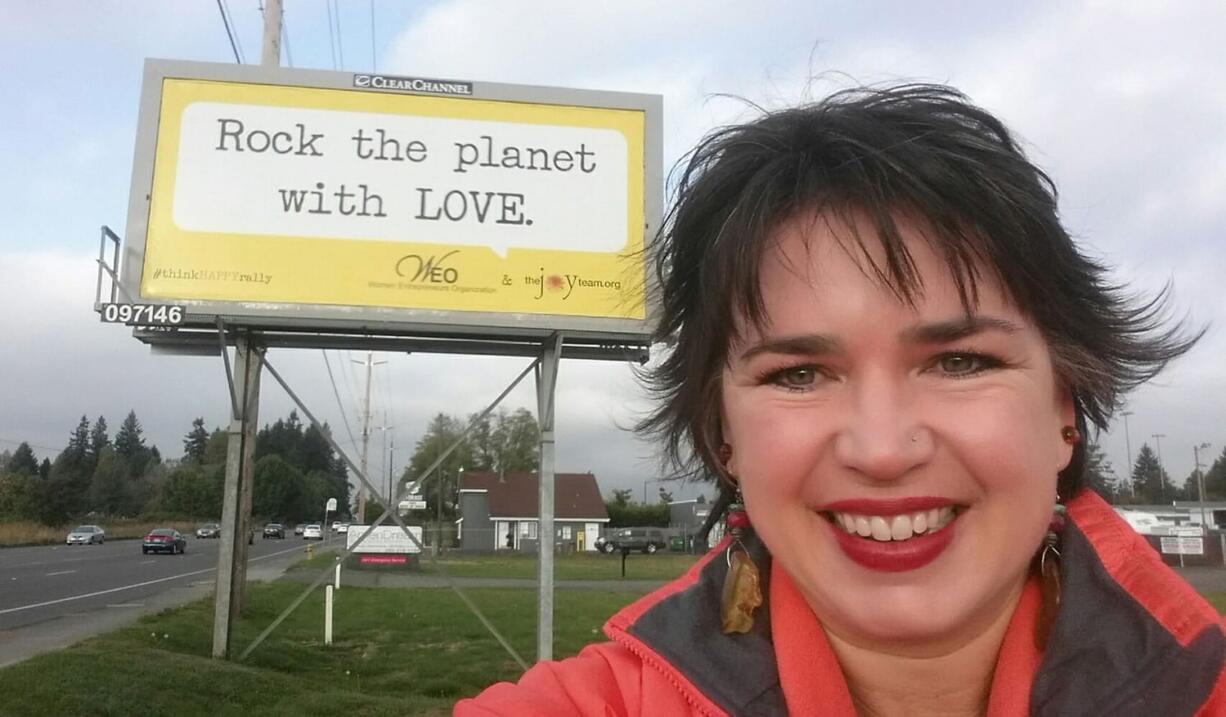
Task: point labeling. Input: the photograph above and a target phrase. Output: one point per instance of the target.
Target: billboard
(320, 197)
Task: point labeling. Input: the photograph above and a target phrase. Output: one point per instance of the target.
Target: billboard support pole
(236, 495)
(546, 382)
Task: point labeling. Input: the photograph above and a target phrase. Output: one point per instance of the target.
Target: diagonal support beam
(389, 512)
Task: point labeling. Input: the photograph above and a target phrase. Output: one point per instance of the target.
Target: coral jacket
(1132, 638)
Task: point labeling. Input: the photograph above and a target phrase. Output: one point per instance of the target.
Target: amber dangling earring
(742, 593)
(1049, 576)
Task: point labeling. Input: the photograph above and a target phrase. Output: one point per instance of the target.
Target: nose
(881, 436)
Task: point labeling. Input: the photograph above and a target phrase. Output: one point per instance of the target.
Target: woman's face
(899, 461)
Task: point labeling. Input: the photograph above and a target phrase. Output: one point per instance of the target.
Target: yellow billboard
(279, 194)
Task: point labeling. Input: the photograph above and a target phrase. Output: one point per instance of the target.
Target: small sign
(141, 314)
(331, 507)
(412, 505)
(1187, 530)
(384, 559)
(1183, 546)
(387, 539)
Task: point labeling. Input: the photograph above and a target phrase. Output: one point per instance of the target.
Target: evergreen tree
(44, 469)
(195, 443)
(1099, 474)
(23, 461)
(98, 439)
(108, 490)
(1215, 479)
(277, 488)
(215, 450)
(128, 441)
(1150, 478)
(77, 453)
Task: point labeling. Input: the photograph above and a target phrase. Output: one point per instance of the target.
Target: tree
(23, 461)
(98, 439)
(108, 490)
(440, 434)
(276, 489)
(1150, 478)
(76, 454)
(215, 450)
(1099, 474)
(195, 443)
(621, 497)
(128, 441)
(17, 495)
(516, 440)
(1215, 479)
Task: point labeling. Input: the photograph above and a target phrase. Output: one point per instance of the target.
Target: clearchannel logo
(412, 84)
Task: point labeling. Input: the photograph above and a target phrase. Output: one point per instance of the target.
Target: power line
(339, 404)
(225, 19)
(32, 445)
(340, 43)
(331, 33)
(373, 67)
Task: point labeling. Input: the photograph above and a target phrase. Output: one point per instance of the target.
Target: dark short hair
(918, 149)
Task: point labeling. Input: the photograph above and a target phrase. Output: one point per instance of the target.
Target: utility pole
(370, 363)
(271, 56)
(1128, 447)
(385, 462)
(1200, 483)
(1161, 468)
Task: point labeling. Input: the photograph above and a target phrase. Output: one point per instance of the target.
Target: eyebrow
(939, 332)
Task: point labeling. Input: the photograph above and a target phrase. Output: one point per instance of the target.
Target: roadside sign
(1187, 531)
(1183, 546)
(385, 539)
(331, 507)
(412, 505)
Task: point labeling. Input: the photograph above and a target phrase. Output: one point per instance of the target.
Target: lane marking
(60, 572)
(128, 604)
(134, 585)
(146, 562)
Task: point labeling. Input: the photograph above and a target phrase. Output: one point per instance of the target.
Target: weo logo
(430, 270)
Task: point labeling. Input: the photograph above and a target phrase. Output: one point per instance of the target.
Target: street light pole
(1200, 483)
(1161, 468)
(1128, 447)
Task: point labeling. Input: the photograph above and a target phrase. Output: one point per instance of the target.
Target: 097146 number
(142, 314)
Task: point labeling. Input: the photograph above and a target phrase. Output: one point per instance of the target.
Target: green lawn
(575, 566)
(395, 652)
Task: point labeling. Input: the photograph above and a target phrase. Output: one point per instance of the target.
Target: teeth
(894, 528)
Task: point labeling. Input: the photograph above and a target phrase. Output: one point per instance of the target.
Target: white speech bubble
(283, 171)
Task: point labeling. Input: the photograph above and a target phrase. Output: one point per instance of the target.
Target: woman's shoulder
(604, 679)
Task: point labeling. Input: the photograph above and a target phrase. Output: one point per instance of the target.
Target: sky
(1122, 103)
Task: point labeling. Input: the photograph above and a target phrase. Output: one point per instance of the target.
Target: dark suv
(274, 530)
(648, 540)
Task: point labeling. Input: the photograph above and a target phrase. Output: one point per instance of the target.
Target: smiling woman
(887, 353)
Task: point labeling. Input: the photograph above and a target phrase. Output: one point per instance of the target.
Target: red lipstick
(892, 556)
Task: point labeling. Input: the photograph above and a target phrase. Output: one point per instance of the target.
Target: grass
(25, 532)
(574, 566)
(396, 652)
(1217, 600)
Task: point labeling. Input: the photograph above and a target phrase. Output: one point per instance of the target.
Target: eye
(794, 378)
(964, 364)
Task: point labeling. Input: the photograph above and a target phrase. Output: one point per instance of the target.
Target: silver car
(86, 535)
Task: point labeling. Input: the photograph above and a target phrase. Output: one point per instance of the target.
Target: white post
(328, 615)
(337, 581)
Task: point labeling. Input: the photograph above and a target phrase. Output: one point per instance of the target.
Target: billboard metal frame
(305, 320)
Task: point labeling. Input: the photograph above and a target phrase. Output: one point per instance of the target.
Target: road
(51, 596)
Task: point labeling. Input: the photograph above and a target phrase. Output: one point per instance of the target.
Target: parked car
(648, 540)
(298, 529)
(86, 535)
(208, 530)
(164, 540)
(342, 528)
(312, 532)
(274, 530)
